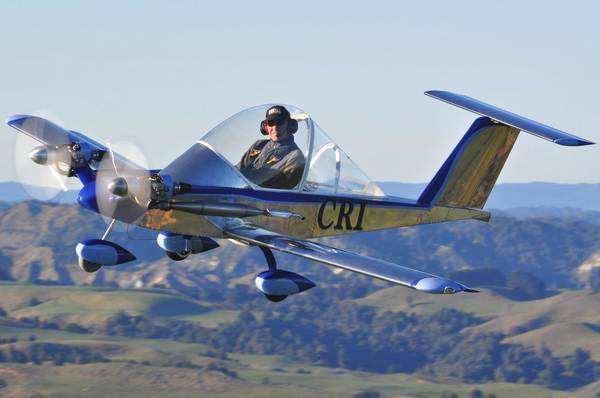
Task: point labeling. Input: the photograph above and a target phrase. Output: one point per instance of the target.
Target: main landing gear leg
(109, 229)
(270, 257)
(272, 263)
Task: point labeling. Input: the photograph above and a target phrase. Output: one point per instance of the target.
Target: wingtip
(440, 94)
(432, 93)
(573, 142)
(11, 120)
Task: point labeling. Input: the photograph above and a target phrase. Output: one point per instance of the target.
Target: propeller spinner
(123, 182)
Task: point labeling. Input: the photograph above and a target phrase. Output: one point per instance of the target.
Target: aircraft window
(332, 171)
(276, 161)
(309, 160)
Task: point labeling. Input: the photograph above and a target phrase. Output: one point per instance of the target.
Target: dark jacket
(273, 164)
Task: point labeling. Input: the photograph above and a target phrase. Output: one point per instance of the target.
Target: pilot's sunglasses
(272, 123)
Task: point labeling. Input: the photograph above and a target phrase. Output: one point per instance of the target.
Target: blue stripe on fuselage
(304, 197)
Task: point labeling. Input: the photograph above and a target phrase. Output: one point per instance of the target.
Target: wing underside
(53, 135)
(369, 266)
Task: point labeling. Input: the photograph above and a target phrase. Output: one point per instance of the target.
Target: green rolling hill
(561, 322)
(155, 327)
(154, 367)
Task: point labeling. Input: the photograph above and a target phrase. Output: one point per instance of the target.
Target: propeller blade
(112, 157)
(40, 181)
(60, 178)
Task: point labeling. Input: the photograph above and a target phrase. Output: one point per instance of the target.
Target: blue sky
(160, 74)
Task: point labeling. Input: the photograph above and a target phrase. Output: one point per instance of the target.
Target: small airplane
(202, 195)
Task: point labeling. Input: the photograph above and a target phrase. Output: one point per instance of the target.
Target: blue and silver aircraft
(203, 195)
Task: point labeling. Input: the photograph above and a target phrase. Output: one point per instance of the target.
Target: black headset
(292, 126)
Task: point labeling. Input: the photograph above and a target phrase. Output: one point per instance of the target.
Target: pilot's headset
(279, 112)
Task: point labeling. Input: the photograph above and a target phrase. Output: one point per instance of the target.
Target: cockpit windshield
(280, 147)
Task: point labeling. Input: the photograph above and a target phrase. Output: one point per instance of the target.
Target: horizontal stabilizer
(509, 118)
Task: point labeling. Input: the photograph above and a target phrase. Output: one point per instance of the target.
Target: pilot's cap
(277, 113)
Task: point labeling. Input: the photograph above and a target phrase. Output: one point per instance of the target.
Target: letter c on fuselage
(321, 212)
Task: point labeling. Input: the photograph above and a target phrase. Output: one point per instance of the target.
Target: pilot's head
(278, 124)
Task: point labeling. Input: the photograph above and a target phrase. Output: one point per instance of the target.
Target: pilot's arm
(250, 156)
(289, 171)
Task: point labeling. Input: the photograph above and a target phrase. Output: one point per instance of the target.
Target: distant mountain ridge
(511, 195)
(504, 196)
(12, 192)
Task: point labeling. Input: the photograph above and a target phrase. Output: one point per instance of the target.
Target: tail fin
(468, 175)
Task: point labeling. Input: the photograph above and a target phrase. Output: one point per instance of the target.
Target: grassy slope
(87, 305)
(562, 322)
(158, 379)
(258, 377)
(486, 303)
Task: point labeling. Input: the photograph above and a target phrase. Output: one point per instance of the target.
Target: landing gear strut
(270, 257)
(272, 263)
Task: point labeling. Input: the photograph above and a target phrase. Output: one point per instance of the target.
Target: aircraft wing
(46, 132)
(51, 134)
(369, 266)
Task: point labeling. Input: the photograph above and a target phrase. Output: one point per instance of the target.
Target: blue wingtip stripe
(15, 118)
(572, 142)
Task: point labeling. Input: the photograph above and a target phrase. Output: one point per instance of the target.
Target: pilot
(276, 162)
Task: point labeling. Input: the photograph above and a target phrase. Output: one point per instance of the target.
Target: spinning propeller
(123, 182)
(43, 183)
(123, 186)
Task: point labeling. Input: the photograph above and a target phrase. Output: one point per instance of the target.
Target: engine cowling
(65, 159)
(276, 285)
(175, 243)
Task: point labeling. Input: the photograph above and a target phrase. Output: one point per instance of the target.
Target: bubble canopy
(325, 168)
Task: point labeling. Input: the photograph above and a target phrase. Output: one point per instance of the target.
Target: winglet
(500, 115)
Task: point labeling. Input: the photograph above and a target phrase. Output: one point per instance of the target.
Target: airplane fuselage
(324, 215)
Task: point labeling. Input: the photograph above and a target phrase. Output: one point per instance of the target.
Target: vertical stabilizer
(468, 175)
